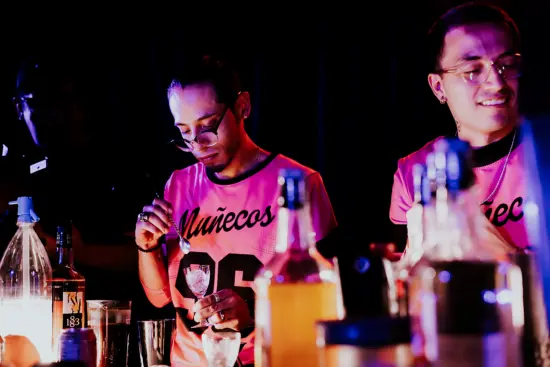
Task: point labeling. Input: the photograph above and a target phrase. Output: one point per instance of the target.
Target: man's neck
(246, 158)
(478, 139)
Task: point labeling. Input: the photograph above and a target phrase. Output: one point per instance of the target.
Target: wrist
(152, 249)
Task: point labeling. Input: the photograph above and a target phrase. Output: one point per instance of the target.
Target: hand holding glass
(198, 279)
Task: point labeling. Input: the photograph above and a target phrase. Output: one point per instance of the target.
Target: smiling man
(475, 64)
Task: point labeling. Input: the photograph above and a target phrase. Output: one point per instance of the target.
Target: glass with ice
(221, 348)
(198, 279)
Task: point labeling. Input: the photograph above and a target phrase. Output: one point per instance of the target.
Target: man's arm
(154, 277)
(154, 224)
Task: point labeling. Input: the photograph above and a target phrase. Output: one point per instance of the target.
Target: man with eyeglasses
(225, 205)
(475, 68)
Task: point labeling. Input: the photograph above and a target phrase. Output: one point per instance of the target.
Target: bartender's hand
(152, 223)
(225, 309)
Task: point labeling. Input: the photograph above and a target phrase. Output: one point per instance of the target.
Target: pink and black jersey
(504, 209)
(231, 225)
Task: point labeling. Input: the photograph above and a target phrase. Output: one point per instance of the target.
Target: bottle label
(68, 305)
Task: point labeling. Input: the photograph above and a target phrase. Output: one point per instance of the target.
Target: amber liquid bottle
(296, 289)
(68, 287)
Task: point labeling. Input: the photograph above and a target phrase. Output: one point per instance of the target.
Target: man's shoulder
(418, 156)
(186, 173)
(282, 161)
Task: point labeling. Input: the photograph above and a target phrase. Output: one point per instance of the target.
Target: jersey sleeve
(401, 199)
(322, 214)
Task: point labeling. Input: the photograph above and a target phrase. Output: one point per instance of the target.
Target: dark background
(341, 89)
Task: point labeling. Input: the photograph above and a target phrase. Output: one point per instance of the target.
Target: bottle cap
(25, 210)
(454, 160)
(292, 183)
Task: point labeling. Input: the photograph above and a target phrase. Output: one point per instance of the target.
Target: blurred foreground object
(19, 352)
(25, 288)
(464, 293)
(536, 132)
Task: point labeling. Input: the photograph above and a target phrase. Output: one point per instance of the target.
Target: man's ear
(243, 105)
(435, 82)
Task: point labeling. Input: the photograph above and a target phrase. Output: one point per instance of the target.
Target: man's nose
(495, 80)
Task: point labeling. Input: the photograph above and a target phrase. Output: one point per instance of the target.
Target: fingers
(163, 204)
(155, 224)
(158, 218)
(147, 234)
(212, 299)
(211, 310)
(223, 317)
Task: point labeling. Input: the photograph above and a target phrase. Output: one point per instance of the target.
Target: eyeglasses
(206, 138)
(476, 72)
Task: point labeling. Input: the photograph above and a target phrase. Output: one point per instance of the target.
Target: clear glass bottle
(296, 288)
(25, 292)
(471, 309)
(68, 287)
(420, 230)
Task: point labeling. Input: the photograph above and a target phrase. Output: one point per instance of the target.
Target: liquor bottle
(68, 287)
(296, 288)
(25, 293)
(470, 299)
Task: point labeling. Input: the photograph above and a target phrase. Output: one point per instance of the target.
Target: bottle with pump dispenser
(25, 291)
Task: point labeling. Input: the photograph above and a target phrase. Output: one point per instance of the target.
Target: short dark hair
(44, 70)
(466, 14)
(209, 69)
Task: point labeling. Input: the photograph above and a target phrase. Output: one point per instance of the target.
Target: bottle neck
(64, 244)
(294, 230)
(65, 256)
(453, 228)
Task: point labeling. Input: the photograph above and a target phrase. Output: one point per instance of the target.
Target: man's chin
(496, 122)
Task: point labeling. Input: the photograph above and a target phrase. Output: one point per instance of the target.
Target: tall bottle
(296, 288)
(25, 293)
(420, 221)
(68, 287)
(470, 298)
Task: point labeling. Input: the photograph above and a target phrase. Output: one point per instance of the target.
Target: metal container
(78, 345)
(155, 339)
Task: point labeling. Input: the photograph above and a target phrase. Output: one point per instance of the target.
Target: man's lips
(206, 158)
(495, 101)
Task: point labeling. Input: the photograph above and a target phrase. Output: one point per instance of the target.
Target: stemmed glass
(198, 278)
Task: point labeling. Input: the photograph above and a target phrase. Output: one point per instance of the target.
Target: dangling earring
(457, 127)
(442, 100)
